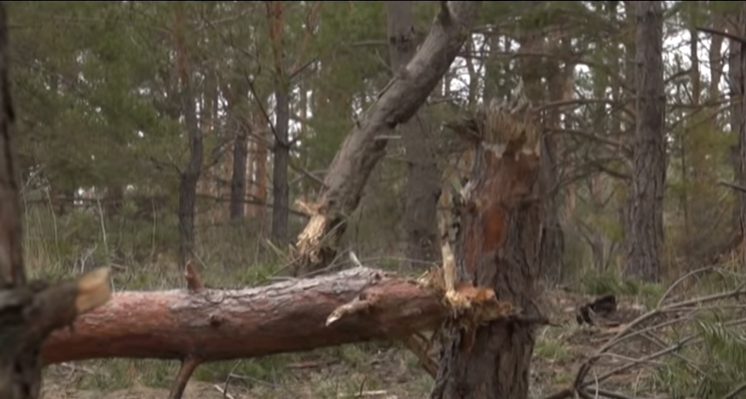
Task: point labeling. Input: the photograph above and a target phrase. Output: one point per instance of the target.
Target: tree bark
(423, 183)
(231, 324)
(364, 146)
(259, 141)
(742, 133)
(644, 233)
(238, 175)
(629, 92)
(190, 175)
(532, 71)
(736, 115)
(29, 312)
(241, 122)
(275, 11)
(497, 246)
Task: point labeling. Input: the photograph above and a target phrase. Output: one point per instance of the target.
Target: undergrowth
(231, 256)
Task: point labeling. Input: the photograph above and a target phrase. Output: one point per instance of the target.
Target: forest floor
(369, 370)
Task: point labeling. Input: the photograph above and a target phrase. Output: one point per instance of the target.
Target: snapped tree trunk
(423, 183)
(496, 245)
(364, 145)
(644, 232)
(29, 312)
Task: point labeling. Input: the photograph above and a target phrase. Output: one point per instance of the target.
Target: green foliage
(725, 355)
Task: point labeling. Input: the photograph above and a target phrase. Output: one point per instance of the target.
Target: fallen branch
(734, 186)
(583, 385)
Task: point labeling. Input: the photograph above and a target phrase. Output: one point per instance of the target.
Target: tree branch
(730, 36)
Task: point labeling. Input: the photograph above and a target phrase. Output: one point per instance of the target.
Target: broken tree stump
(494, 230)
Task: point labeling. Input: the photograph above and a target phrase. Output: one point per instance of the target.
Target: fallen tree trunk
(365, 145)
(215, 325)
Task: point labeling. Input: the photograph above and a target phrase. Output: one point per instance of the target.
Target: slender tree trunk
(190, 175)
(742, 132)
(644, 234)
(280, 193)
(259, 159)
(736, 115)
(238, 176)
(532, 72)
(241, 123)
(629, 93)
(552, 237)
(423, 179)
(497, 246)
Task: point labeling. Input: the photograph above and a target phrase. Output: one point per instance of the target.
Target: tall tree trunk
(736, 114)
(280, 193)
(532, 72)
(260, 178)
(238, 175)
(496, 246)
(629, 93)
(423, 180)
(190, 175)
(552, 237)
(742, 132)
(644, 233)
(241, 122)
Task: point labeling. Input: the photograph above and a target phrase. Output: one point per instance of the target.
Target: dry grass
(709, 367)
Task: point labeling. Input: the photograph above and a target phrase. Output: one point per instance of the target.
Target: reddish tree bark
(496, 246)
(230, 324)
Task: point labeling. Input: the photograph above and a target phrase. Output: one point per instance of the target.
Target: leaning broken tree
(365, 145)
(29, 311)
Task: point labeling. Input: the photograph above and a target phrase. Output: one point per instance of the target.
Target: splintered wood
(491, 228)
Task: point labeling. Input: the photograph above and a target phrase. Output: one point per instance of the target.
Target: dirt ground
(387, 373)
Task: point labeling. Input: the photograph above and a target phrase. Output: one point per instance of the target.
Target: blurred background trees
(154, 132)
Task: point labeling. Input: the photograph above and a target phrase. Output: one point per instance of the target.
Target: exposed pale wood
(495, 244)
